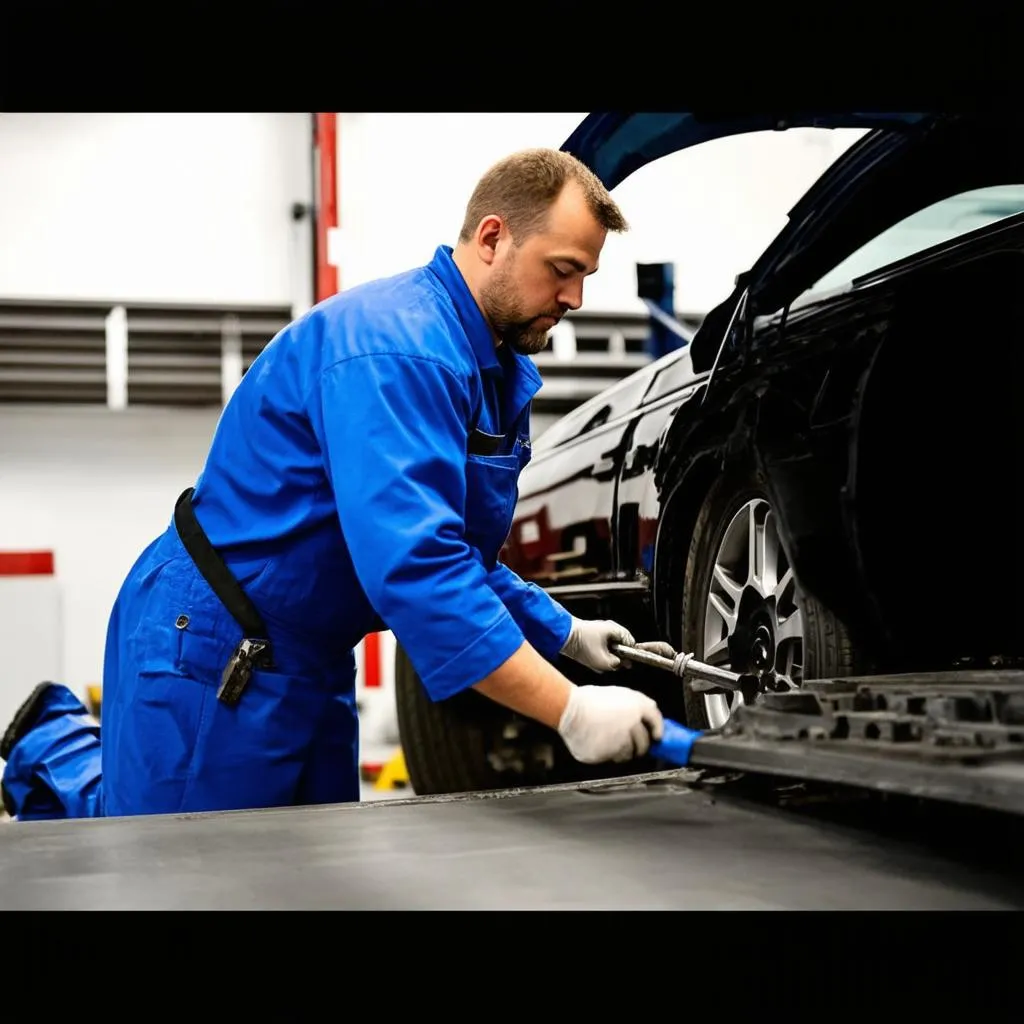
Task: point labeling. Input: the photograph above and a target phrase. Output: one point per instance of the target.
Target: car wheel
(741, 607)
(468, 743)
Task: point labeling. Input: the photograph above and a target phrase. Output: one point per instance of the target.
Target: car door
(639, 499)
(562, 535)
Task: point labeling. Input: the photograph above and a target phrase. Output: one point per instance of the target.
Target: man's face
(532, 286)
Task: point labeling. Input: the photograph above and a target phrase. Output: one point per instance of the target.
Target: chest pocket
(492, 487)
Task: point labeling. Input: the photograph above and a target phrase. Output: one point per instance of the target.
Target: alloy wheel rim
(751, 607)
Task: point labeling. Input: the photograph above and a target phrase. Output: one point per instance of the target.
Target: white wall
(94, 487)
(191, 208)
(195, 208)
(405, 178)
(31, 637)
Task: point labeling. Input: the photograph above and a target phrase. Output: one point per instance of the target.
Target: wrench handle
(642, 657)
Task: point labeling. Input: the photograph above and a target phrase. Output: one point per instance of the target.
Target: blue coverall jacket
(339, 490)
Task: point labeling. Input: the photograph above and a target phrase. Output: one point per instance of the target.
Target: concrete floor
(643, 843)
(367, 794)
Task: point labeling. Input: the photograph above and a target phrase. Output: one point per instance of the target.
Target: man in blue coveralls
(363, 476)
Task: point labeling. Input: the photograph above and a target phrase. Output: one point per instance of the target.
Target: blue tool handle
(675, 744)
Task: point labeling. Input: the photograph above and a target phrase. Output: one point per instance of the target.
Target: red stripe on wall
(26, 563)
(371, 660)
(327, 202)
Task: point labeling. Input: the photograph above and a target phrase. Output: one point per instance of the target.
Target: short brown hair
(521, 188)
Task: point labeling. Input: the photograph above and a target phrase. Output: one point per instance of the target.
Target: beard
(503, 309)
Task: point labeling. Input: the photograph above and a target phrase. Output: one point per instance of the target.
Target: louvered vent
(610, 334)
(56, 352)
(256, 334)
(176, 356)
(52, 352)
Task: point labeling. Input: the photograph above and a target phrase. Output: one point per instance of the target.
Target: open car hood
(613, 146)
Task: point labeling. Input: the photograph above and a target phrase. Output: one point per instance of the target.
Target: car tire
(451, 746)
(444, 743)
(827, 650)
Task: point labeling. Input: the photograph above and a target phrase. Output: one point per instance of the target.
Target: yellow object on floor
(94, 696)
(394, 774)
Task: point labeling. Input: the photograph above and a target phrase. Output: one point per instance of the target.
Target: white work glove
(609, 723)
(589, 641)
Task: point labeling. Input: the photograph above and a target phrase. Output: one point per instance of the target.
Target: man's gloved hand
(589, 641)
(609, 723)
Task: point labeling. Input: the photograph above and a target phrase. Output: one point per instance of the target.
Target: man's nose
(571, 297)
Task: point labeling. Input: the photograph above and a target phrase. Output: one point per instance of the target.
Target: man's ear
(488, 234)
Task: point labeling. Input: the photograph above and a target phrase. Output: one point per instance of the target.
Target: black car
(825, 480)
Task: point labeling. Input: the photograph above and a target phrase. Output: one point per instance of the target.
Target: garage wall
(173, 209)
(196, 208)
(94, 487)
(190, 208)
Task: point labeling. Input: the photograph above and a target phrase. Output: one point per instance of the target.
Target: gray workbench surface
(651, 843)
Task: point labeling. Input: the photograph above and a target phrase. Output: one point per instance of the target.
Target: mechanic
(362, 477)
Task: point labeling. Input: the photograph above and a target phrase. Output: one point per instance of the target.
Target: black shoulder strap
(214, 571)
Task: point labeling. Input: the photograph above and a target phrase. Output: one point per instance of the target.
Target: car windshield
(947, 219)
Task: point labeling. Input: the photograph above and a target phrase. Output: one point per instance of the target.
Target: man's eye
(558, 272)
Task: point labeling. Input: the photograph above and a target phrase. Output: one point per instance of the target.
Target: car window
(942, 221)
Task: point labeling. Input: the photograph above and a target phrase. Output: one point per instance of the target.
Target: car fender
(691, 457)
